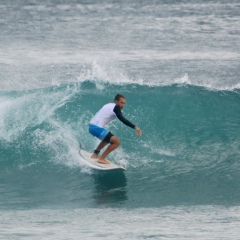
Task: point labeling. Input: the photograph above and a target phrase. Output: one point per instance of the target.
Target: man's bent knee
(115, 140)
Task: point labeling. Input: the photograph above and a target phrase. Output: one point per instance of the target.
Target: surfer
(99, 122)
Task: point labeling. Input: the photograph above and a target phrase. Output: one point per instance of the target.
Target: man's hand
(139, 132)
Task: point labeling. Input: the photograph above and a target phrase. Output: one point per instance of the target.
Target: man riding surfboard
(99, 123)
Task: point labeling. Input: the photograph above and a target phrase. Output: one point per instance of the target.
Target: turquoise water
(188, 153)
(176, 62)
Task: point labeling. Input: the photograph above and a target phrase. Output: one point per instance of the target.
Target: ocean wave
(188, 153)
(102, 73)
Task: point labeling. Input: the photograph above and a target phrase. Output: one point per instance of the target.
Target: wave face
(188, 154)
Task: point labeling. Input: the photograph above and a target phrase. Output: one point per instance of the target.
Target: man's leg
(114, 143)
(99, 132)
(101, 145)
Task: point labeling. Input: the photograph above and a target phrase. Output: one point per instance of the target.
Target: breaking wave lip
(104, 73)
(182, 81)
(99, 72)
(186, 81)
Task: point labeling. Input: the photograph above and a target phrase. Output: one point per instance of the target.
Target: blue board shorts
(101, 133)
(97, 131)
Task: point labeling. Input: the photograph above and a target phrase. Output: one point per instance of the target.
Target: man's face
(121, 102)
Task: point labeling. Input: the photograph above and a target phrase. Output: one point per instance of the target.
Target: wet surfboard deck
(93, 163)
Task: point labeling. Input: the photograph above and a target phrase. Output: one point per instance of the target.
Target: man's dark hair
(118, 96)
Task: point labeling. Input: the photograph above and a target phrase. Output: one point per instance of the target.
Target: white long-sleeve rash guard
(108, 113)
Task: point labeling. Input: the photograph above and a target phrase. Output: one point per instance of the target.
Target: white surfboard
(93, 163)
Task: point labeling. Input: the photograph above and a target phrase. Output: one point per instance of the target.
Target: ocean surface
(178, 65)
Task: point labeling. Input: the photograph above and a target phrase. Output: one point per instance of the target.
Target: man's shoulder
(112, 104)
(117, 109)
(108, 107)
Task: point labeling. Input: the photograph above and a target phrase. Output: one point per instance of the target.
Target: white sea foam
(199, 222)
(102, 72)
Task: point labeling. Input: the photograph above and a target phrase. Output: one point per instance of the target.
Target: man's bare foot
(95, 156)
(104, 161)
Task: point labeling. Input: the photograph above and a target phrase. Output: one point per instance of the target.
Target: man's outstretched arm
(119, 115)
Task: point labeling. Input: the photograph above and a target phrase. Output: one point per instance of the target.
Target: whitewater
(177, 64)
